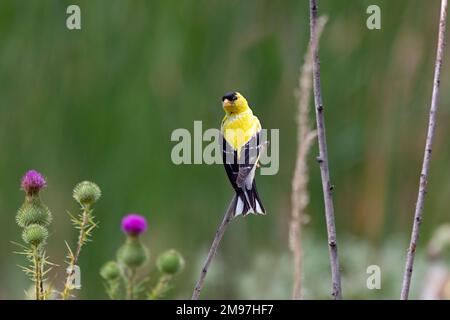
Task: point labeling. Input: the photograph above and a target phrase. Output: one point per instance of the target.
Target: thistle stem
(74, 258)
(130, 284)
(39, 287)
(418, 214)
(323, 155)
(82, 235)
(112, 288)
(212, 251)
(161, 287)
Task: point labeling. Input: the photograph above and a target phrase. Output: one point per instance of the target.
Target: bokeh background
(101, 104)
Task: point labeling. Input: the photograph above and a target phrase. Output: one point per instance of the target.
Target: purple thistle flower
(134, 224)
(33, 182)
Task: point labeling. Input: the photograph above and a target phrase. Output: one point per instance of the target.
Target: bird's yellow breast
(238, 129)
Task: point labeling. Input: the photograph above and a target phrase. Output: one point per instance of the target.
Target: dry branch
(212, 251)
(418, 214)
(323, 156)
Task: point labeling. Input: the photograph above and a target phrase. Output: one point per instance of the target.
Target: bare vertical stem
(300, 195)
(427, 155)
(212, 251)
(323, 156)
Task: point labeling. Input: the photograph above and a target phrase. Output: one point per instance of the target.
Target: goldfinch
(241, 147)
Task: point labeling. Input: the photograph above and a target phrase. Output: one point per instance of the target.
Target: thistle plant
(169, 263)
(121, 276)
(133, 253)
(86, 193)
(111, 273)
(34, 217)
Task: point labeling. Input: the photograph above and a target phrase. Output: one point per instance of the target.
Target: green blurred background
(101, 103)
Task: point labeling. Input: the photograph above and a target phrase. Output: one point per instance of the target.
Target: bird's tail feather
(248, 201)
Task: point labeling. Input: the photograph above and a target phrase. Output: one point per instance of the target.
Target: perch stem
(323, 156)
(212, 251)
(418, 214)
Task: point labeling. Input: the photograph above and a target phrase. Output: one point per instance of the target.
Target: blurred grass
(101, 103)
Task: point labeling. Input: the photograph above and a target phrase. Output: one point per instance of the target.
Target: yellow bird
(241, 148)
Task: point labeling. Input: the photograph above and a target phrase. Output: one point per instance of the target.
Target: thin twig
(323, 156)
(300, 195)
(427, 155)
(212, 251)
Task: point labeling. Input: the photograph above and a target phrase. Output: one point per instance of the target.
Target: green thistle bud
(86, 193)
(33, 211)
(110, 271)
(132, 254)
(170, 262)
(35, 234)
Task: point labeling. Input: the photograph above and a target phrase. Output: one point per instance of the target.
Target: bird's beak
(226, 103)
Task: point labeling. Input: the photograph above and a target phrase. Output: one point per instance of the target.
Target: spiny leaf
(20, 245)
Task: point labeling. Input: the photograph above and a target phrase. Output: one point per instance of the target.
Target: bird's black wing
(241, 173)
(229, 159)
(248, 159)
(239, 169)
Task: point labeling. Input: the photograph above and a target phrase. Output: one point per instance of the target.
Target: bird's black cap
(230, 96)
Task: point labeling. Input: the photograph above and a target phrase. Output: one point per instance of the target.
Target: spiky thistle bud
(33, 211)
(86, 193)
(170, 262)
(35, 234)
(110, 271)
(133, 253)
